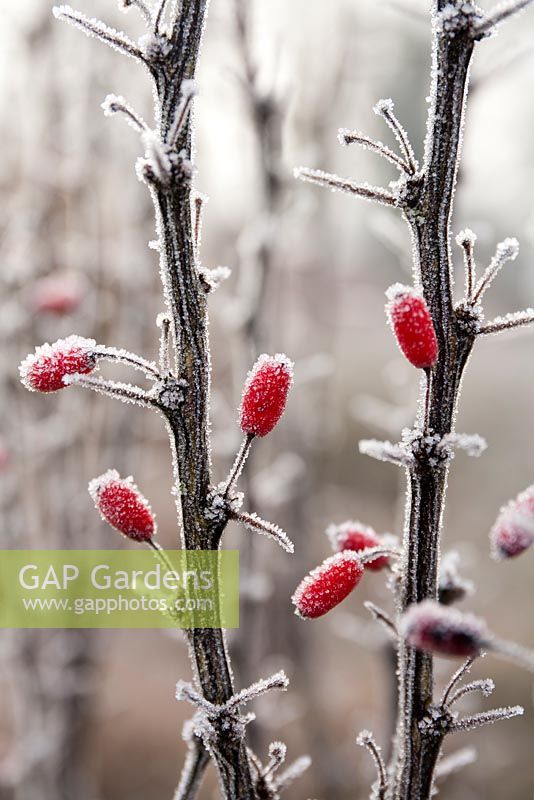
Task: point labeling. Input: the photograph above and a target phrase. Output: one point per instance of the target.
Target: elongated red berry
(265, 394)
(46, 369)
(356, 536)
(412, 324)
(513, 532)
(328, 585)
(444, 631)
(123, 506)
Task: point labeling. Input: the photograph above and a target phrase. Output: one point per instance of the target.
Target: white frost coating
(95, 27)
(386, 451)
(450, 618)
(466, 235)
(335, 183)
(399, 290)
(385, 108)
(47, 350)
(125, 392)
(472, 443)
(256, 524)
(278, 359)
(322, 569)
(517, 319)
(505, 251)
(115, 104)
(486, 718)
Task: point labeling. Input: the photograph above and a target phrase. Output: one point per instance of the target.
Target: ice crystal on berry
(265, 394)
(45, 370)
(122, 505)
(412, 324)
(356, 537)
(328, 585)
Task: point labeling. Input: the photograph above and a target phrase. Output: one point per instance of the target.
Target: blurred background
(90, 714)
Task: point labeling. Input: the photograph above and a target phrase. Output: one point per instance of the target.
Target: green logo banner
(119, 589)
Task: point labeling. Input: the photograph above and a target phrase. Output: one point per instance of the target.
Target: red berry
(443, 631)
(265, 394)
(513, 532)
(355, 536)
(123, 506)
(327, 585)
(412, 324)
(58, 294)
(46, 369)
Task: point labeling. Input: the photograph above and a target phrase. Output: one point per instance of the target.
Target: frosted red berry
(47, 368)
(412, 324)
(513, 532)
(58, 294)
(328, 585)
(443, 631)
(265, 394)
(356, 537)
(123, 506)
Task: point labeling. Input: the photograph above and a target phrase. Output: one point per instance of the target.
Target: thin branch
(187, 94)
(114, 104)
(384, 109)
(115, 389)
(334, 182)
(500, 13)
(456, 678)
(347, 137)
(506, 251)
(196, 760)
(258, 525)
(164, 324)
(118, 356)
(367, 740)
(238, 465)
(518, 319)
(278, 681)
(384, 619)
(386, 451)
(486, 718)
(141, 7)
(466, 240)
(95, 27)
(449, 765)
(158, 17)
(485, 685)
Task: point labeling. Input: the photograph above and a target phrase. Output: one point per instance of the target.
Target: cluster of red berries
(330, 583)
(513, 532)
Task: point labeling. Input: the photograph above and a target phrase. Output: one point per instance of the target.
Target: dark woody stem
(416, 751)
(189, 424)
